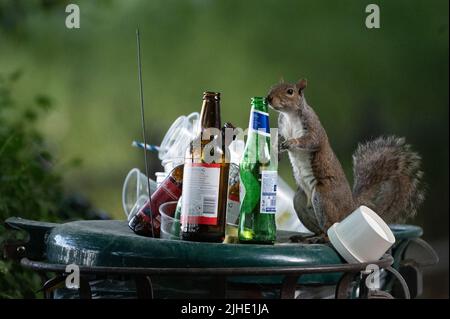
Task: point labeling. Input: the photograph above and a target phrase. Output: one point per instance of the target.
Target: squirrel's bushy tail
(387, 178)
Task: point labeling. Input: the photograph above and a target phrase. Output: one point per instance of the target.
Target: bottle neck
(257, 147)
(210, 113)
(259, 118)
(259, 104)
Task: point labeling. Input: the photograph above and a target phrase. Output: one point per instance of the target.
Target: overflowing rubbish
(217, 195)
(229, 191)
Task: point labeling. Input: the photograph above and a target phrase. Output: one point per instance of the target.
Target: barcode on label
(268, 192)
(209, 205)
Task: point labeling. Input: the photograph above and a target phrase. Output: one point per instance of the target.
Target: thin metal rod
(141, 91)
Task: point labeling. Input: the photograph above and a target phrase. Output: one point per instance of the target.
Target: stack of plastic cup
(174, 144)
(171, 153)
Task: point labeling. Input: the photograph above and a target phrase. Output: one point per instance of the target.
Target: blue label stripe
(260, 122)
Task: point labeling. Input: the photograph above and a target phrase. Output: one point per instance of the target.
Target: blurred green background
(361, 82)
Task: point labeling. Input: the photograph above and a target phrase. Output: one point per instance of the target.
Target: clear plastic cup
(134, 187)
(178, 136)
(170, 226)
(141, 201)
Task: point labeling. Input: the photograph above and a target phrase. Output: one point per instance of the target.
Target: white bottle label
(233, 207)
(268, 192)
(201, 183)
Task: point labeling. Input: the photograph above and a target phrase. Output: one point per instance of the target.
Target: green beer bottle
(258, 180)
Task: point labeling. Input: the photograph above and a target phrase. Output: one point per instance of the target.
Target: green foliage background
(28, 184)
(362, 83)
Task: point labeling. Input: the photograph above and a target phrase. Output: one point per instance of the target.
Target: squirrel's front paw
(286, 145)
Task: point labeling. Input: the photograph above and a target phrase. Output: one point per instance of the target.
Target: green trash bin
(104, 248)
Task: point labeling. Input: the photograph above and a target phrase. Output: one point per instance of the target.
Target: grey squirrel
(387, 175)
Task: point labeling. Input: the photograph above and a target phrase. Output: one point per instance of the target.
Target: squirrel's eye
(290, 91)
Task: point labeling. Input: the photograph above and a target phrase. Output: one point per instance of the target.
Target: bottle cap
(258, 99)
(211, 95)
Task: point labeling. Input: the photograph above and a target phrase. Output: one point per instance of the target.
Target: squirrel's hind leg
(314, 216)
(316, 212)
(305, 212)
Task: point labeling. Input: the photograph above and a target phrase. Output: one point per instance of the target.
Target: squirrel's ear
(301, 84)
(281, 80)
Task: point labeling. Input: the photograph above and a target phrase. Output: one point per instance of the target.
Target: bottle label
(268, 192)
(168, 191)
(200, 198)
(259, 122)
(233, 206)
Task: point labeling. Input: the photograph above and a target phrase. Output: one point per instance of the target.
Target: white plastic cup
(134, 187)
(363, 236)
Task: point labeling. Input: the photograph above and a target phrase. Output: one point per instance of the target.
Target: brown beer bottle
(205, 178)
